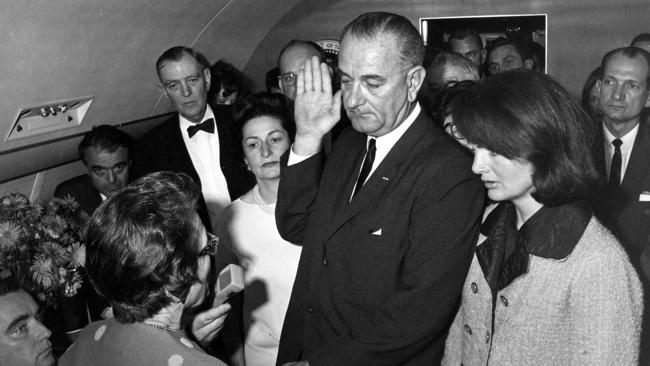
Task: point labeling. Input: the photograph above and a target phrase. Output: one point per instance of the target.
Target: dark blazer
(81, 189)
(629, 218)
(163, 148)
(380, 277)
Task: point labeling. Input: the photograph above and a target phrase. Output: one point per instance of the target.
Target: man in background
(624, 206)
(468, 43)
(508, 54)
(442, 70)
(195, 141)
(106, 153)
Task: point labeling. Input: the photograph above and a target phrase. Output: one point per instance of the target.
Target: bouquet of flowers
(41, 247)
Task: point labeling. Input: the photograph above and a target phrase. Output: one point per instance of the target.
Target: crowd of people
(404, 206)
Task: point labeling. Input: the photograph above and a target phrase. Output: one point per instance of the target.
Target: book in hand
(229, 282)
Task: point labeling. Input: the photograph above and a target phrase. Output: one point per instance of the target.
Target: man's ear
(208, 78)
(529, 64)
(599, 83)
(414, 79)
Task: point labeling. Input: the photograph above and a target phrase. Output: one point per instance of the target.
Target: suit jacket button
(310, 310)
(474, 287)
(468, 329)
(324, 261)
(487, 337)
(504, 301)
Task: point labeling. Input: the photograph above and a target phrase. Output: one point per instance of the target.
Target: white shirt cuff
(295, 158)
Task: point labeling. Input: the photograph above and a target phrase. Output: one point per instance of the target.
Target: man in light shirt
(196, 141)
(388, 222)
(624, 206)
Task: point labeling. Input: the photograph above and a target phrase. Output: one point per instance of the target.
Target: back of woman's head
(523, 114)
(142, 245)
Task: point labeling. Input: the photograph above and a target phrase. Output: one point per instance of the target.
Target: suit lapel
(386, 172)
(638, 163)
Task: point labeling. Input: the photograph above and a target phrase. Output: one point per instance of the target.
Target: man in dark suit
(625, 204)
(197, 141)
(105, 150)
(388, 222)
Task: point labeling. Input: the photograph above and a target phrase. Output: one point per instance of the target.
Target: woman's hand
(206, 325)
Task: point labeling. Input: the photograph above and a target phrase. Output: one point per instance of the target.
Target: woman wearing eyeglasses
(247, 227)
(148, 254)
(548, 284)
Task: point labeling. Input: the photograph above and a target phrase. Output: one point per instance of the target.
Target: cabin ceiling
(66, 49)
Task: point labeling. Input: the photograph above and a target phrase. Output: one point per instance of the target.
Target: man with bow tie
(196, 140)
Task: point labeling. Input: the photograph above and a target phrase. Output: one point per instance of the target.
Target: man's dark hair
(271, 79)
(228, 77)
(142, 245)
(299, 42)
(370, 26)
(642, 37)
(629, 52)
(464, 33)
(521, 47)
(524, 114)
(105, 137)
(7, 286)
(177, 53)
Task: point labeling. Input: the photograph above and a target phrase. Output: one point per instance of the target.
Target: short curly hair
(142, 245)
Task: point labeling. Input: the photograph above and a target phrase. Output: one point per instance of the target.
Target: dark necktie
(207, 126)
(367, 166)
(615, 167)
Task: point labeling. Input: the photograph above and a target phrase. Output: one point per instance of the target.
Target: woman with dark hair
(248, 227)
(149, 255)
(548, 284)
(590, 99)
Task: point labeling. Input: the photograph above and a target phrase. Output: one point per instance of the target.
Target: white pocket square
(376, 232)
(644, 196)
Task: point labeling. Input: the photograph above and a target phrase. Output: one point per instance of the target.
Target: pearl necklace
(265, 207)
(163, 327)
(258, 197)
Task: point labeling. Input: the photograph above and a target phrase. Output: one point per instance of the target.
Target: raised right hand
(316, 110)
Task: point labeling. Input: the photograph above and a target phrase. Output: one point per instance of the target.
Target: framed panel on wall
(527, 29)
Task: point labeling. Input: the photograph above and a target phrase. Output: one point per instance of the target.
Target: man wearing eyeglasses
(105, 151)
(291, 60)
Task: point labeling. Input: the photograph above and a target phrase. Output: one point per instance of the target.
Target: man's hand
(316, 110)
(206, 325)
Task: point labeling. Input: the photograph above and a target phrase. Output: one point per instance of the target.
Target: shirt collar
(185, 123)
(387, 141)
(627, 140)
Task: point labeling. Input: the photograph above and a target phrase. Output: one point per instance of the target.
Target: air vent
(49, 117)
